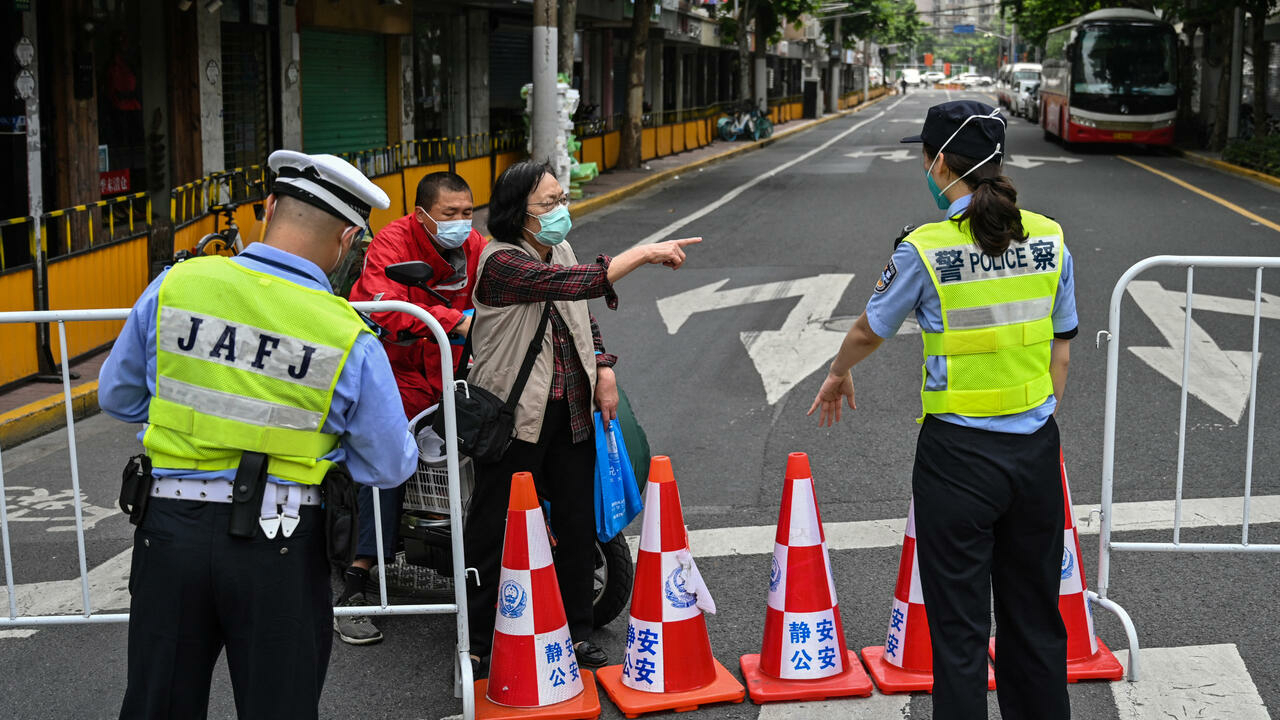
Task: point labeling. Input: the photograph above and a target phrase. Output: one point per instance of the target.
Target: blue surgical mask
(555, 226)
(452, 234)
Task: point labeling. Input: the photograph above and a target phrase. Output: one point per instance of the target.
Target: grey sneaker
(357, 629)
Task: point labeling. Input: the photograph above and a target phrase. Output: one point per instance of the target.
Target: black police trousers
(564, 473)
(989, 516)
(197, 590)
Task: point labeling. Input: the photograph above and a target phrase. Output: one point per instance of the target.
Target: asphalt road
(721, 377)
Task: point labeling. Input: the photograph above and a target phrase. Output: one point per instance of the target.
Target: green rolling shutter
(344, 92)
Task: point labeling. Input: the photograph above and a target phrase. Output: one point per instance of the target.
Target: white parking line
(1199, 681)
(735, 192)
(861, 534)
(19, 633)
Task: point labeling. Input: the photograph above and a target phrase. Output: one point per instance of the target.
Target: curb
(47, 414)
(1224, 166)
(583, 207)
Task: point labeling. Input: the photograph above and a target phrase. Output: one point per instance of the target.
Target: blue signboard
(964, 29)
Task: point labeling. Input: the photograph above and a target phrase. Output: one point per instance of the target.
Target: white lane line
(18, 634)
(862, 534)
(876, 707)
(1198, 681)
(676, 225)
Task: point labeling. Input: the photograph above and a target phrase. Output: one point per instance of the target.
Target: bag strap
(535, 346)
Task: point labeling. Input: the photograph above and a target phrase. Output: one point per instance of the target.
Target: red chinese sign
(114, 182)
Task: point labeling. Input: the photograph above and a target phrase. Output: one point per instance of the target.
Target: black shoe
(479, 668)
(590, 655)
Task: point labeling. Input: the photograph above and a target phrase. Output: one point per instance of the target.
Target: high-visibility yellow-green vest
(245, 361)
(996, 317)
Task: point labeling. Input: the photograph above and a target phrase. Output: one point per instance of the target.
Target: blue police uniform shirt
(911, 289)
(366, 402)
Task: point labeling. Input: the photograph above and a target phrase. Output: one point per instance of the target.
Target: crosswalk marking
(862, 534)
(1198, 681)
(876, 707)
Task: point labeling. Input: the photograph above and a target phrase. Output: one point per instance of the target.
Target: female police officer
(992, 290)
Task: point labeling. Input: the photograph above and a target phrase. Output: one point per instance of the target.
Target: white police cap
(327, 182)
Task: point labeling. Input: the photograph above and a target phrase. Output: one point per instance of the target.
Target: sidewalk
(35, 408)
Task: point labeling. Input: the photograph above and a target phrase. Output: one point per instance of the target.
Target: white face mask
(995, 115)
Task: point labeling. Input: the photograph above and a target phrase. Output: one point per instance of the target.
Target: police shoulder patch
(887, 277)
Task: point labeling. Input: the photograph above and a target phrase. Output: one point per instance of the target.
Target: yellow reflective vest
(996, 317)
(245, 361)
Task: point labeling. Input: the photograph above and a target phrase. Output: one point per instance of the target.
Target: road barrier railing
(12, 617)
(1107, 546)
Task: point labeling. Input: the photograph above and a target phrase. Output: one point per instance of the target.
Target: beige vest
(502, 335)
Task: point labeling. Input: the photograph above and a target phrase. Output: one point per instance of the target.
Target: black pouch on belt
(135, 488)
(340, 516)
(246, 494)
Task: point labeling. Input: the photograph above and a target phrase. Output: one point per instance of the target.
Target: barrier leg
(1129, 629)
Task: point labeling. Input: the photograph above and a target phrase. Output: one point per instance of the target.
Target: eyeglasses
(550, 204)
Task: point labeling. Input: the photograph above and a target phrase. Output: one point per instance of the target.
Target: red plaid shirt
(511, 277)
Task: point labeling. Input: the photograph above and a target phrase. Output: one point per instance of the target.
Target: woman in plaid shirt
(529, 265)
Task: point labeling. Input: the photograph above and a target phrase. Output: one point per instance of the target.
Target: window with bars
(246, 99)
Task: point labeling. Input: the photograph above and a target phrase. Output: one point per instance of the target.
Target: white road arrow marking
(785, 356)
(1219, 378)
(1030, 161)
(894, 155)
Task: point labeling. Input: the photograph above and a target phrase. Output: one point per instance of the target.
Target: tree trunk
(744, 51)
(568, 14)
(632, 129)
(1222, 110)
(1261, 63)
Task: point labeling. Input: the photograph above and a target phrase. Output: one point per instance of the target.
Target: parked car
(1007, 81)
(1027, 100)
(934, 76)
(911, 75)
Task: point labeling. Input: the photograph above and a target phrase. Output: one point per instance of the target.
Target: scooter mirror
(414, 274)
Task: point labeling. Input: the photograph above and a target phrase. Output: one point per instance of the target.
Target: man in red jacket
(437, 232)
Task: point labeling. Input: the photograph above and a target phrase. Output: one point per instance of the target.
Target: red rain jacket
(417, 364)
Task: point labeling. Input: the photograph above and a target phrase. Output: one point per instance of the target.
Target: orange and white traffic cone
(1088, 658)
(803, 656)
(534, 672)
(668, 663)
(905, 662)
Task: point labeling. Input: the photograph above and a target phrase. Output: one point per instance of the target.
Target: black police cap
(977, 139)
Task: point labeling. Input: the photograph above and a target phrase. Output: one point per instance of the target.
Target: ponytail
(993, 213)
(994, 219)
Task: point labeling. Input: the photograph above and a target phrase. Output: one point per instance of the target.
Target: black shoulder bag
(484, 422)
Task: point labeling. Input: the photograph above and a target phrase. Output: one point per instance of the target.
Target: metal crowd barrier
(1106, 545)
(463, 681)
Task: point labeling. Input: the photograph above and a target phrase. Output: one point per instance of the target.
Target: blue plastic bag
(617, 495)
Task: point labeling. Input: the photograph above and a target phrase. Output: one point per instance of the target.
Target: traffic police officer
(257, 385)
(992, 289)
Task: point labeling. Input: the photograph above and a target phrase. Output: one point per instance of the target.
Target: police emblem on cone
(668, 662)
(1088, 658)
(803, 655)
(534, 672)
(905, 662)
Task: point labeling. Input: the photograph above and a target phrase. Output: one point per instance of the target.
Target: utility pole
(542, 120)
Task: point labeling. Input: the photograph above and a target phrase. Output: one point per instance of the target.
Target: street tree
(567, 25)
(764, 19)
(629, 151)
